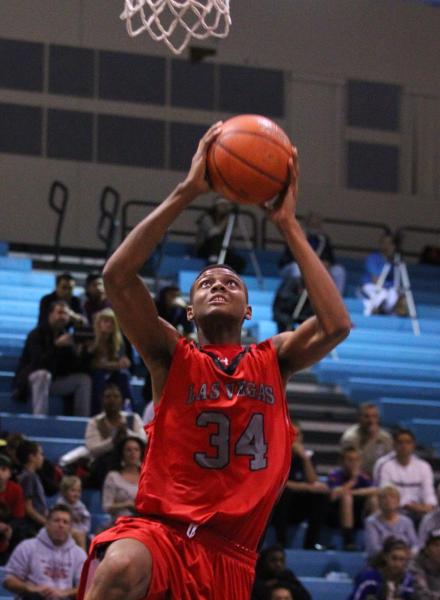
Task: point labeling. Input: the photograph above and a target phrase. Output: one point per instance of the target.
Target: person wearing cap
(429, 522)
(12, 508)
(425, 569)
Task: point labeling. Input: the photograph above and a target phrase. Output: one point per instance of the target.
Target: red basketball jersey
(219, 446)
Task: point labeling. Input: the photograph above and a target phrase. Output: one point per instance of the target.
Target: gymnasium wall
(75, 107)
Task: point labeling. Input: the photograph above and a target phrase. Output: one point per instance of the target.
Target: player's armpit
(305, 346)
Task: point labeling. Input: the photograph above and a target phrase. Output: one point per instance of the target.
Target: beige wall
(318, 43)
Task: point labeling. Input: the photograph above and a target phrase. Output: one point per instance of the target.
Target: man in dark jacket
(64, 287)
(51, 364)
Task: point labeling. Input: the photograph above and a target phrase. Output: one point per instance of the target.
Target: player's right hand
(196, 180)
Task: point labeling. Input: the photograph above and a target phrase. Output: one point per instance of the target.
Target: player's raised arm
(317, 336)
(131, 300)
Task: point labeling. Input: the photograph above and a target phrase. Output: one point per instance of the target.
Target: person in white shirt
(411, 475)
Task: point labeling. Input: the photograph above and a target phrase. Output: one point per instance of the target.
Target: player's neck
(219, 336)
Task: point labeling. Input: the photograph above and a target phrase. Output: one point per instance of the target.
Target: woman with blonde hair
(107, 358)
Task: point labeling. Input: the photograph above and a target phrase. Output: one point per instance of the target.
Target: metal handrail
(414, 229)
(179, 232)
(55, 188)
(108, 222)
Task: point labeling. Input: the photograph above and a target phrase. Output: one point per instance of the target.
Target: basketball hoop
(170, 20)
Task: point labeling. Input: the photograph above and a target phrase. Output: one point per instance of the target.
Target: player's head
(218, 290)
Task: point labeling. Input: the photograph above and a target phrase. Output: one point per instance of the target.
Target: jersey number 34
(251, 442)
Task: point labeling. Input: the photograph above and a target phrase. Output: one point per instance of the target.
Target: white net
(176, 22)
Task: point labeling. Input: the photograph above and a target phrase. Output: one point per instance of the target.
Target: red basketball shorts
(203, 567)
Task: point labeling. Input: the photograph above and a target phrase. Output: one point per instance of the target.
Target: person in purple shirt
(351, 495)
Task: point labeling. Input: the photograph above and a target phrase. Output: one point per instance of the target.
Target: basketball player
(219, 447)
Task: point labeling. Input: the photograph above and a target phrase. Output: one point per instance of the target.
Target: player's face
(219, 292)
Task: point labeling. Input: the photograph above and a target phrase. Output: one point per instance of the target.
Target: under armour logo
(224, 360)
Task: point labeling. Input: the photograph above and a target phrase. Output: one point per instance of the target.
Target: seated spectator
(368, 437)
(51, 363)
(47, 567)
(352, 495)
(385, 299)
(322, 245)
(429, 522)
(388, 577)
(412, 476)
(106, 357)
(271, 570)
(95, 298)
(64, 286)
(106, 430)
(12, 510)
(70, 495)
(425, 569)
(304, 498)
(388, 522)
(172, 307)
(211, 227)
(31, 457)
(280, 592)
(121, 483)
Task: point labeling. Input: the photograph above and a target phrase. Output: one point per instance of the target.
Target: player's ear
(189, 312)
(248, 313)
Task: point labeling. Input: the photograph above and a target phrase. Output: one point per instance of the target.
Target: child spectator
(388, 576)
(70, 495)
(31, 457)
(388, 522)
(121, 484)
(12, 509)
(350, 490)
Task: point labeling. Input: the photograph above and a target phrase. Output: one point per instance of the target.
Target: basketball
(248, 162)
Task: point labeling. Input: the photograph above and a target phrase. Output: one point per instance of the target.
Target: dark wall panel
(373, 105)
(21, 65)
(192, 85)
(20, 129)
(372, 167)
(129, 141)
(70, 135)
(71, 71)
(132, 77)
(249, 90)
(184, 139)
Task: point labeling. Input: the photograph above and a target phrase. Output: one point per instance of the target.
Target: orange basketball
(248, 162)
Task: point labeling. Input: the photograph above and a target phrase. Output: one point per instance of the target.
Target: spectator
(388, 577)
(70, 495)
(211, 228)
(12, 510)
(51, 363)
(388, 522)
(107, 358)
(47, 567)
(271, 570)
(385, 299)
(172, 307)
(425, 569)
(106, 430)
(65, 284)
(368, 437)
(429, 522)
(304, 498)
(351, 496)
(412, 476)
(95, 298)
(322, 245)
(31, 457)
(121, 484)
(280, 592)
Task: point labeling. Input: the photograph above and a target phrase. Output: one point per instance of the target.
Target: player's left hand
(196, 179)
(284, 208)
